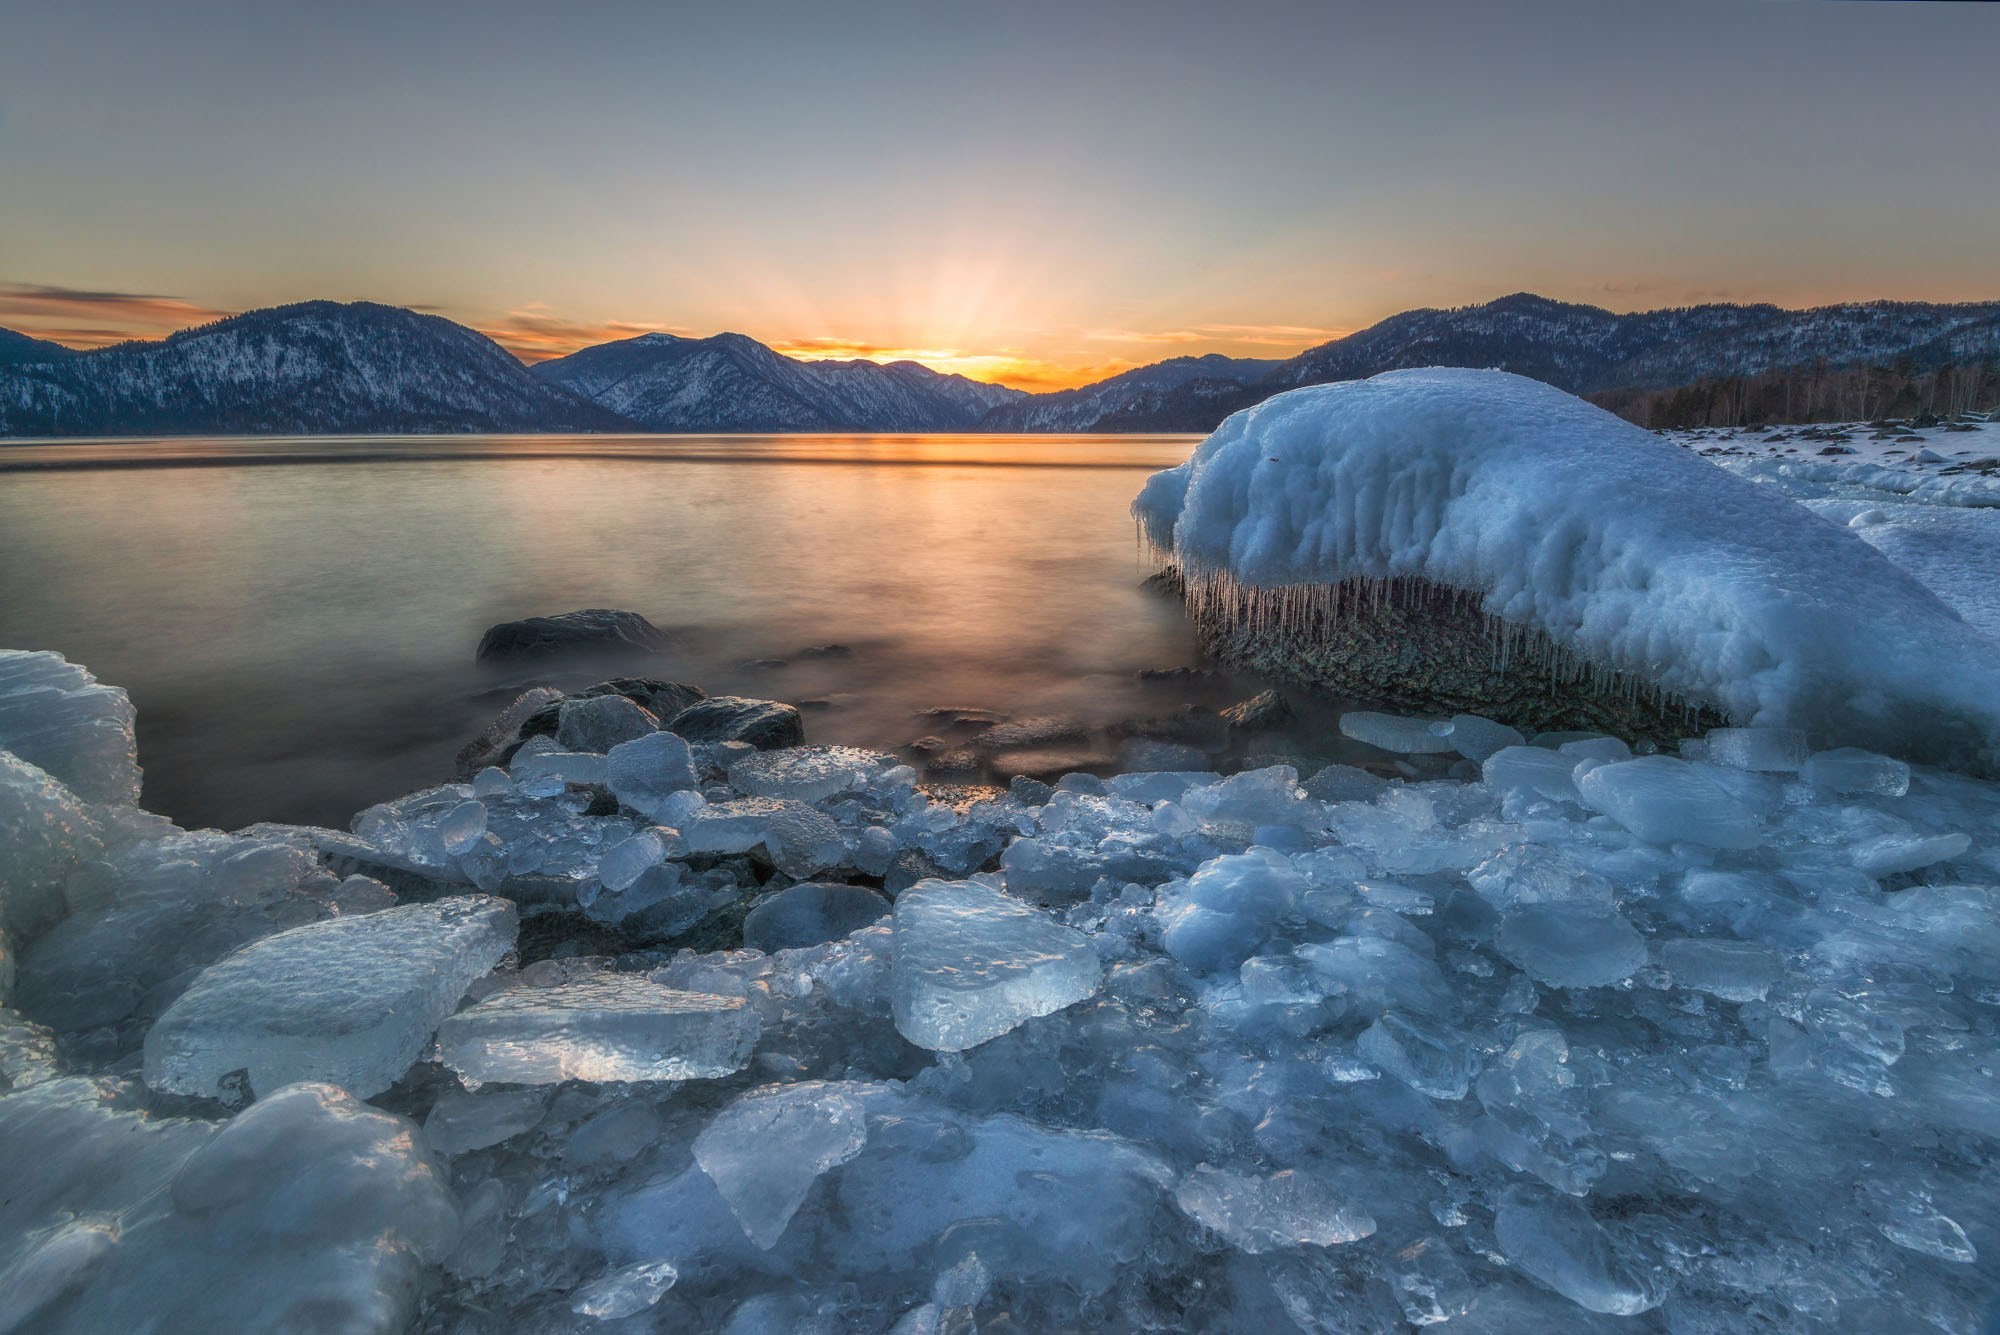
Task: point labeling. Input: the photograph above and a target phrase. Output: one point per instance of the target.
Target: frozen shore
(644, 1033)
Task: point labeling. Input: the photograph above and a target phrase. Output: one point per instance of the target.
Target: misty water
(296, 619)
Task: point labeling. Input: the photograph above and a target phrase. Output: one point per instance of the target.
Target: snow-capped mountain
(1149, 398)
(18, 348)
(733, 383)
(319, 366)
(1582, 349)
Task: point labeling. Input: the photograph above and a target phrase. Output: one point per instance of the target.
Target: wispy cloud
(535, 333)
(90, 317)
(1259, 335)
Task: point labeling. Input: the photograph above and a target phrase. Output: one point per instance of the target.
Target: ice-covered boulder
(611, 1027)
(1577, 537)
(55, 715)
(350, 1001)
(971, 963)
(45, 832)
(307, 1211)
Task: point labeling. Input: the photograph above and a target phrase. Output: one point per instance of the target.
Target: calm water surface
(296, 618)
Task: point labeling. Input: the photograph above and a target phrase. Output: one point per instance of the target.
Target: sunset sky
(1038, 194)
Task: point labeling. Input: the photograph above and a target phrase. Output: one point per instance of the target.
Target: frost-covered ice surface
(350, 1001)
(1564, 521)
(1693, 1041)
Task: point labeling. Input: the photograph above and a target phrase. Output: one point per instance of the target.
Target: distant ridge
(18, 349)
(324, 367)
(733, 383)
(313, 368)
(1582, 349)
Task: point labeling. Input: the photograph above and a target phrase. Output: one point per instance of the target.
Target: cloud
(88, 317)
(534, 333)
(1259, 335)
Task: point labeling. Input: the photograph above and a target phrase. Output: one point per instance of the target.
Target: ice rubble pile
(1570, 1036)
(1622, 549)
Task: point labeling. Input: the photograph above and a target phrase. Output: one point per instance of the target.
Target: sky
(1040, 194)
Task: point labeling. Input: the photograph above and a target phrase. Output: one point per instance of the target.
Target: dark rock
(1026, 733)
(764, 724)
(909, 867)
(811, 914)
(1267, 709)
(1032, 792)
(1180, 674)
(827, 651)
(1150, 755)
(952, 717)
(1345, 783)
(954, 766)
(600, 722)
(592, 630)
(663, 699)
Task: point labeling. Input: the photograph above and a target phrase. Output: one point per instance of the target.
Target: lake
(296, 618)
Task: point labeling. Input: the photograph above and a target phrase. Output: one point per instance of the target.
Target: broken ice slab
(56, 716)
(1256, 1213)
(1731, 970)
(765, 1150)
(647, 773)
(971, 963)
(568, 766)
(350, 1001)
(1849, 769)
(1888, 854)
(1393, 732)
(1475, 737)
(1552, 1238)
(626, 1291)
(809, 773)
(1532, 769)
(308, 1211)
(613, 1027)
(1428, 1057)
(811, 914)
(1668, 801)
(1565, 945)
(1774, 750)
(44, 834)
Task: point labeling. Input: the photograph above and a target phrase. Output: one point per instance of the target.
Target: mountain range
(322, 367)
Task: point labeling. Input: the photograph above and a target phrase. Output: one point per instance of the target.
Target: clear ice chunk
(1849, 769)
(1562, 945)
(1476, 738)
(601, 723)
(611, 1027)
(1394, 732)
(1732, 970)
(809, 773)
(971, 963)
(1773, 750)
(349, 1001)
(1255, 1213)
(810, 915)
(1426, 1056)
(1553, 1239)
(765, 1150)
(646, 774)
(1667, 801)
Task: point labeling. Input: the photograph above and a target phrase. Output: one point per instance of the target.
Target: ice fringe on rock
(350, 1001)
(1588, 536)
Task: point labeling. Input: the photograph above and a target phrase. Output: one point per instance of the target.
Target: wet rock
(1267, 709)
(594, 629)
(662, 699)
(764, 724)
(1029, 733)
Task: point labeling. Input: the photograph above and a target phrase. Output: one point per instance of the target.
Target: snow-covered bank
(1582, 1040)
(1598, 541)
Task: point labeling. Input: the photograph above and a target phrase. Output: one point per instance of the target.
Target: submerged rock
(592, 630)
